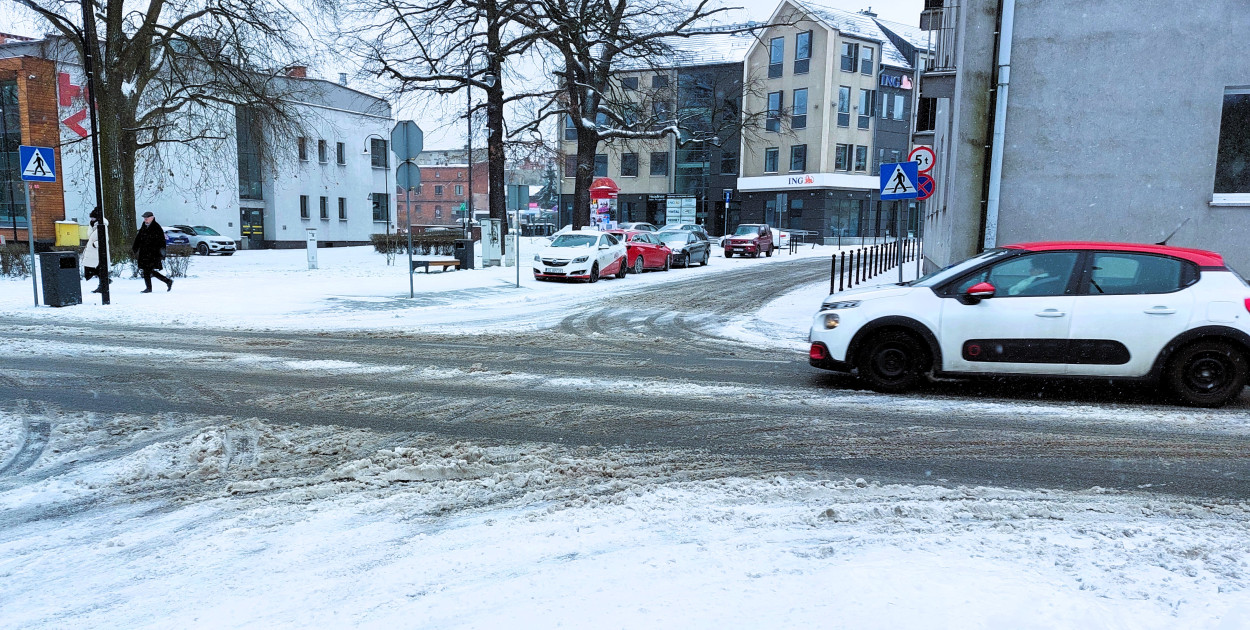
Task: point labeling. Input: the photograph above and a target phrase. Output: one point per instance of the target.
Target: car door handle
(1160, 310)
(1050, 312)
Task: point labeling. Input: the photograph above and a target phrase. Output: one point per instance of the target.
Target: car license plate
(553, 270)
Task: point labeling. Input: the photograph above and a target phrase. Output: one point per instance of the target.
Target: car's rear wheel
(1207, 373)
(623, 269)
(202, 249)
(892, 361)
(707, 254)
(594, 273)
(638, 266)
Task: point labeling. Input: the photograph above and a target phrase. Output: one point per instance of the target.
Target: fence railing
(854, 267)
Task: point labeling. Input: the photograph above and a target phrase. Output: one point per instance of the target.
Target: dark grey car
(687, 247)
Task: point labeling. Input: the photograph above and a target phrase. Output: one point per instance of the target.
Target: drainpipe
(1000, 123)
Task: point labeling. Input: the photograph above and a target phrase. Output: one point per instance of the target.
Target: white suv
(1108, 310)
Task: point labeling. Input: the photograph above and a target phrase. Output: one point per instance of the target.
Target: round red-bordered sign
(924, 157)
(925, 186)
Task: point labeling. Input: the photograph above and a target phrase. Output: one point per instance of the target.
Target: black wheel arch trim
(1227, 333)
(898, 321)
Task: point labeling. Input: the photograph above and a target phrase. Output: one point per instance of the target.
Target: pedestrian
(91, 253)
(149, 252)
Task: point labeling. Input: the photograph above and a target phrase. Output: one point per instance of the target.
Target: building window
(340, 152)
(630, 83)
(381, 207)
(459, 190)
(926, 114)
(865, 108)
(659, 163)
(570, 132)
(798, 158)
(570, 166)
(861, 158)
(798, 119)
(729, 163)
(438, 212)
(1232, 164)
(660, 115)
(12, 188)
(601, 165)
(342, 208)
(865, 60)
(770, 159)
(772, 121)
(659, 81)
(629, 165)
(841, 157)
(776, 56)
(248, 136)
(303, 207)
(899, 107)
(323, 151)
(324, 207)
(850, 52)
(844, 106)
(802, 52)
(378, 153)
(438, 191)
(301, 144)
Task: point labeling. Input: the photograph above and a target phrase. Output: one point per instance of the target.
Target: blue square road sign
(38, 164)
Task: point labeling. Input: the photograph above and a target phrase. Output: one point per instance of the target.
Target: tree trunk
(113, 173)
(497, 193)
(587, 144)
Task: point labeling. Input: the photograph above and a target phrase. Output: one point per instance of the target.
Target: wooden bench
(441, 264)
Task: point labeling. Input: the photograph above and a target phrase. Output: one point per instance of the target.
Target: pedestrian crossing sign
(898, 181)
(38, 163)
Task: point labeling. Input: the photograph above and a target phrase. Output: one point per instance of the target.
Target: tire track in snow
(35, 440)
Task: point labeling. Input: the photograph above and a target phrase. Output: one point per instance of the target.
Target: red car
(643, 250)
(750, 239)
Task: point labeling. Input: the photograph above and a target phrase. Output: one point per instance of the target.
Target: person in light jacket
(91, 254)
(149, 252)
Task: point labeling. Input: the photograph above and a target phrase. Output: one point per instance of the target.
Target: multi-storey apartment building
(666, 180)
(838, 101)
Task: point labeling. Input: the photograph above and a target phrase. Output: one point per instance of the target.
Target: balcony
(942, 19)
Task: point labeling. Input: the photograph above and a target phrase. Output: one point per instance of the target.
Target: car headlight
(581, 259)
(830, 320)
(538, 258)
(832, 305)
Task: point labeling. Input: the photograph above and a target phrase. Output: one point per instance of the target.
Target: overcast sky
(443, 120)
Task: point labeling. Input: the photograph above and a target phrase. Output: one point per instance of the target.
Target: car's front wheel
(891, 361)
(202, 249)
(1207, 373)
(594, 273)
(623, 269)
(729, 254)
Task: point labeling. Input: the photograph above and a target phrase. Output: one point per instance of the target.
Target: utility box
(464, 252)
(67, 234)
(59, 273)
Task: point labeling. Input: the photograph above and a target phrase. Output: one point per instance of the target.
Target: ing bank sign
(800, 180)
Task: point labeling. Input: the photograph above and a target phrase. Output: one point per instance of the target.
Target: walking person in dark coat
(149, 252)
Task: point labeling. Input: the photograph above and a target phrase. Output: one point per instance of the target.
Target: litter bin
(59, 273)
(464, 252)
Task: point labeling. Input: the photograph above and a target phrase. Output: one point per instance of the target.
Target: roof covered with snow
(705, 47)
(859, 26)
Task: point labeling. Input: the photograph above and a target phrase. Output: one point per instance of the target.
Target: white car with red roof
(1177, 316)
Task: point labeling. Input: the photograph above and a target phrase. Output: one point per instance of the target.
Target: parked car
(687, 227)
(644, 251)
(582, 255)
(1176, 316)
(176, 237)
(687, 247)
(207, 241)
(640, 227)
(781, 238)
(750, 239)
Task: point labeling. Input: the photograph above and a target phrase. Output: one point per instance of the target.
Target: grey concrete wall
(1113, 122)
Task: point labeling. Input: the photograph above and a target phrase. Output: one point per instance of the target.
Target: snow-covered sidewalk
(354, 289)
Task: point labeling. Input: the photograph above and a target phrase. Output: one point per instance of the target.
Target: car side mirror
(979, 291)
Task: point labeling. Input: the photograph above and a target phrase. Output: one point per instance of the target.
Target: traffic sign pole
(30, 237)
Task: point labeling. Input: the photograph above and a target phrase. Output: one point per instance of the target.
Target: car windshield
(574, 240)
(674, 237)
(747, 230)
(946, 273)
(205, 230)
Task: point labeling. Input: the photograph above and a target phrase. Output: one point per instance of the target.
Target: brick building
(444, 189)
(28, 115)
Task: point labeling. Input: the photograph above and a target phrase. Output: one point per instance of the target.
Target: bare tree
(443, 47)
(592, 40)
(173, 71)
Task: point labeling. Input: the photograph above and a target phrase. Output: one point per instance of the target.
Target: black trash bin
(464, 252)
(59, 273)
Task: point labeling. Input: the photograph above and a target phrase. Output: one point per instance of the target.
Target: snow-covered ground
(245, 524)
(353, 288)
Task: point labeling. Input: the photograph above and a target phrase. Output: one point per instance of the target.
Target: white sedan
(582, 255)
